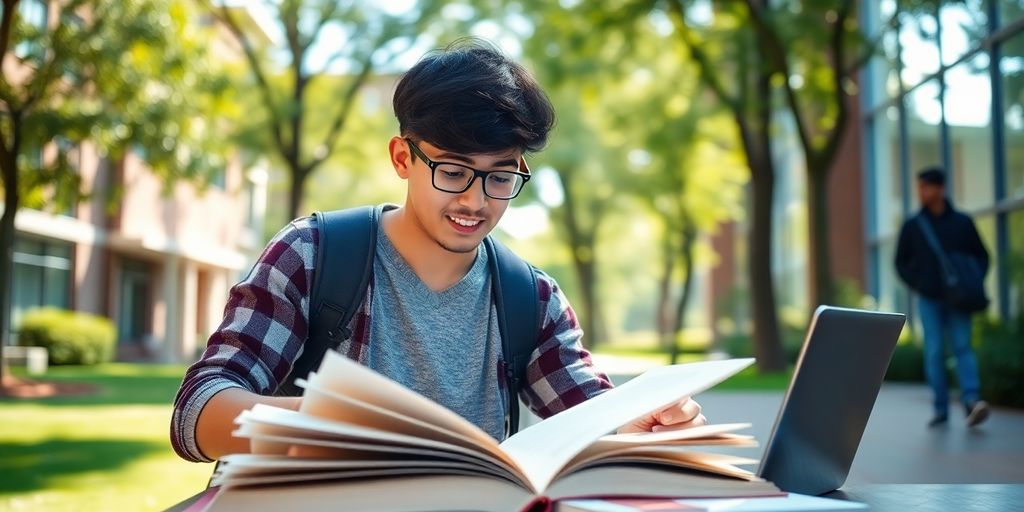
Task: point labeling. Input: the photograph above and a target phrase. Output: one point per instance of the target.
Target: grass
(107, 451)
(747, 380)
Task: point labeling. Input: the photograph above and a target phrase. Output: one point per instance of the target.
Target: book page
(716, 463)
(670, 436)
(321, 399)
(318, 430)
(306, 449)
(346, 377)
(543, 449)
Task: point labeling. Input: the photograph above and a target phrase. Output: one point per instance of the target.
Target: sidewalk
(897, 447)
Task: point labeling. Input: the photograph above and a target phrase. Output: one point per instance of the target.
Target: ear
(401, 158)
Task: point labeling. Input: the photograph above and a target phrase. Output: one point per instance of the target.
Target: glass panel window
(888, 182)
(893, 294)
(968, 114)
(42, 276)
(924, 114)
(1015, 264)
(964, 25)
(883, 70)
(919, 46)
(1010, 11)
(1011, 65)
(987, 231)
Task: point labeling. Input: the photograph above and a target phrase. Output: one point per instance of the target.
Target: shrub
(69, 337)
(907, 363)
(1000, 352)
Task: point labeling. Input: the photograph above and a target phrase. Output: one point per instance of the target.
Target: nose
(474, 198)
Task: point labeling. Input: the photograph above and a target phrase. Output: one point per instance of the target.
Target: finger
(682, 412)
(696, 422)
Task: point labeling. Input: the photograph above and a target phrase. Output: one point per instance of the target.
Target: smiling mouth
(463, 224)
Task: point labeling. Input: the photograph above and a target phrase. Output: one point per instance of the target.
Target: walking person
(940, 256)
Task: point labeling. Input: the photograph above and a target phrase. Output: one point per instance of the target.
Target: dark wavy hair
(470, 98)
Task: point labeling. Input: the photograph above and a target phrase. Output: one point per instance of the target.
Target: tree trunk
(663, 316)
(11, 200)
(591, 323)
(295, 192)
(767, 342)
(581, 246)
(821, 288)
(689, 236)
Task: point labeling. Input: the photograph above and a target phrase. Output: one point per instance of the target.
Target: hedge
(70, 337)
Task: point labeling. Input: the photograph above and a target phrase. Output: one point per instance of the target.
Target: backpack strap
(344, 263)
(514, 286)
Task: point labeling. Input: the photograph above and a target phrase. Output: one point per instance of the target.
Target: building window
(1010, 11)
(1015, 264)
(42, 276)
(134, 299)
(964, 25)
(887, 180)
(968, 114)
(919, 47)
(1011, 65)
(924, 116)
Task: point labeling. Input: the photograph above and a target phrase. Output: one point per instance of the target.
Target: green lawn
(108, 451)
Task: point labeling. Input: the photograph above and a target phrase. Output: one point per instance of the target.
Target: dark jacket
(917, 263)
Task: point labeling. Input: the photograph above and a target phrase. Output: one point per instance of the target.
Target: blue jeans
(941, 322)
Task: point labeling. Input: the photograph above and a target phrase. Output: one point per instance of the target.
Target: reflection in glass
(1010, 11)
(892, 292)
(987, 230)
(964, 25)
(1015, 264)
(924, 113)
(888, 182)
(883, 67)
(968, 113)
(919, 47)
(1012, 67)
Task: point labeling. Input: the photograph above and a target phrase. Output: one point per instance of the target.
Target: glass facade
(42, 276)
(958, 104)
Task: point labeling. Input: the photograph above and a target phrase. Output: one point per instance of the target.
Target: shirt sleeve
(560, 373)
(264, 327)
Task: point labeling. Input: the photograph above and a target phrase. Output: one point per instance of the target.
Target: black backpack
(344, 264)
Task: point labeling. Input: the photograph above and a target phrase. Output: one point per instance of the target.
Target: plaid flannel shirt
(266, 322)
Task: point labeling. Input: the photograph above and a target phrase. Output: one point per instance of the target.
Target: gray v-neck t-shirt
(444, 345)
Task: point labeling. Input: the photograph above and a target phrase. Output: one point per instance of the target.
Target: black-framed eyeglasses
(456, 178)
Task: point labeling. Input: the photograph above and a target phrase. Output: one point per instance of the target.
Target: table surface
(898, 497)
(935, 497)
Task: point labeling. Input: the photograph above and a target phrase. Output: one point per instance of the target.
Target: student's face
(458, 222)
(929, 193)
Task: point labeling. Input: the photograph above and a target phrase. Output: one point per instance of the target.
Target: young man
(918, 265)
(428, 321)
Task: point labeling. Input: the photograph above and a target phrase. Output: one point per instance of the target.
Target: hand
(684, 414)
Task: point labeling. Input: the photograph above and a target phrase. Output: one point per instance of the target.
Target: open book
(364, 442)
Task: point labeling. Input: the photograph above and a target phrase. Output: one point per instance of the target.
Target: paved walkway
(897, 446)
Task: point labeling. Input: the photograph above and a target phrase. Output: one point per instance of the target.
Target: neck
(436, 266)
(937, 208)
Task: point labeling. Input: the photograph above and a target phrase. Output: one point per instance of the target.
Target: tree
(120, 74)
(685, 169)
(363, 37)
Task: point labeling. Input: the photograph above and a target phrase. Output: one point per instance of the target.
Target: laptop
(826, 408)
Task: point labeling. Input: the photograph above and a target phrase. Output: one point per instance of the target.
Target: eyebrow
(511, 162)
